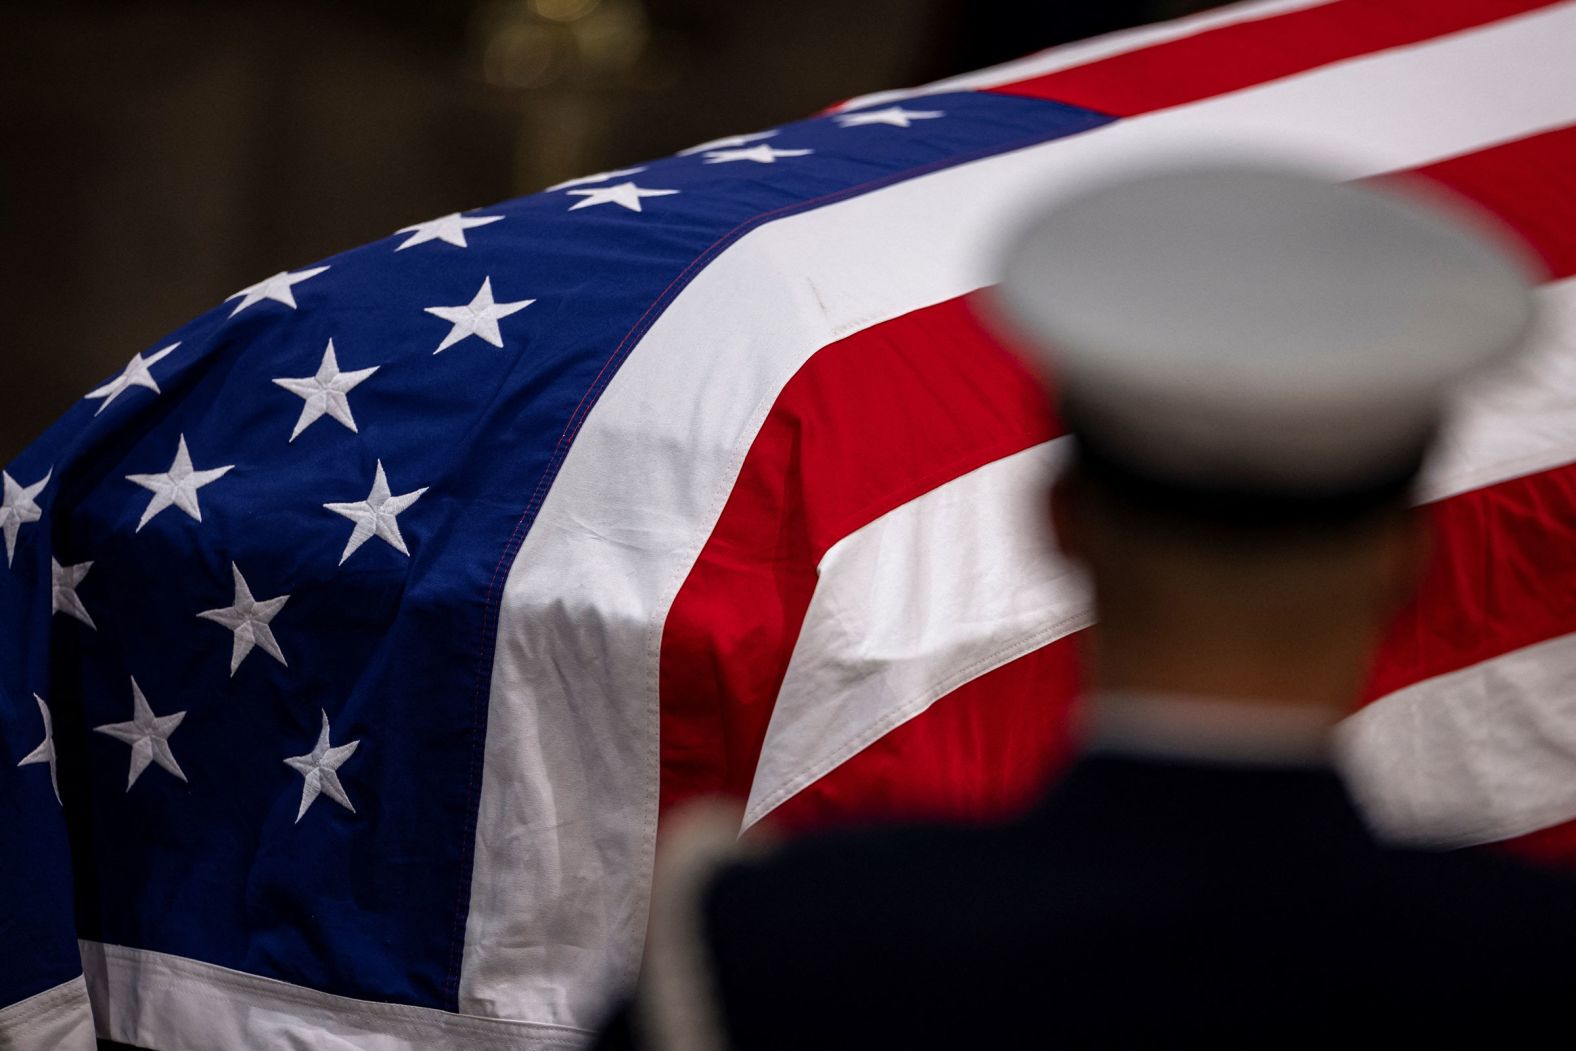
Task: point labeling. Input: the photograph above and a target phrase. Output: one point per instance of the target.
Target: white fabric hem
(56, 1019)
(176, 1004)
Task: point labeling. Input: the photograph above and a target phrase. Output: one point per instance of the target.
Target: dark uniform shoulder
(917, 935)
(856, 885)
(1481, 898)
(930, 936)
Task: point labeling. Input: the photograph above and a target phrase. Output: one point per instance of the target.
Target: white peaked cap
(1260, 327)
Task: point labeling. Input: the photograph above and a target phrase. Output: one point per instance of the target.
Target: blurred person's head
(1252, 365)
(1191, 601)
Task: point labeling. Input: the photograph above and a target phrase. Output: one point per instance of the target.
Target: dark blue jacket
(1143, 901)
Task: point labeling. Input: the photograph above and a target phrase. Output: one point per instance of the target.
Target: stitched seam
(24, 1013)
(417, 1020)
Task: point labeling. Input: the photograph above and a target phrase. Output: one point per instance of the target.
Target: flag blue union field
(356, 637)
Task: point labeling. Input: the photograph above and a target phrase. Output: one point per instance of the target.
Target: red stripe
(1233, 57)
(1503, 577)
(889, 413)
(871, 422)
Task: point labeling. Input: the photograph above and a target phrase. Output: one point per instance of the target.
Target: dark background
(157, 156)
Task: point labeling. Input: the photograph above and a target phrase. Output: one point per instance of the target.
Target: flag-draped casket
(357, 637)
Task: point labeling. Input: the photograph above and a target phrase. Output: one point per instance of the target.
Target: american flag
(355, 638)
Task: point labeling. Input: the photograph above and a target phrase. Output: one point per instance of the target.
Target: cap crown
(1260, 323)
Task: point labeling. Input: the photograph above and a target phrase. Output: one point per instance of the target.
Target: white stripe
(1083, 52)
(151, 999)
(567, 815)
(907, 609)
(1482, 754)
(57, 1019)
(962, 579)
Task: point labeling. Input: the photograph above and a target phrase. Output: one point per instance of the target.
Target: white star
(325, 392)
(176, 486)
(726, 141)
(626, 194)
(18, 507)
(248, 619)
(449, 229)
(598, 177)
(63, 587)
(762, 154)
(319, 770)
(276, 288)
(45, 752)
(479, 317)
(896, 116)
(135, 374)
(377, 515)
(148, 735)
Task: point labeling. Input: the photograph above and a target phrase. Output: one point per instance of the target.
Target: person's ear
(1062, 512)
(1409, 551)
